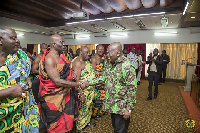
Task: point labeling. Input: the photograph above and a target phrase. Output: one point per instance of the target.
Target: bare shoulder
(50, 60)
(77, 62)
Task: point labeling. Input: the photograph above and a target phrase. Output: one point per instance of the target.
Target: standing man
(140, 62)
(154, 71)
(35, 67)
(133, 59)
(125, 52)
(165, 61)
(58, 106)
(83, 71)
(35, 71)
(120, 86)
(18, 110)
(99, 65)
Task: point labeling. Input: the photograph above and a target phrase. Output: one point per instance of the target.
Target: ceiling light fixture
(165, 33)
(192, 17)
(82, 36)
(118, 34)
(118, 26)
(186, 7)
(114, 17)
(98, 27)
(156, 13)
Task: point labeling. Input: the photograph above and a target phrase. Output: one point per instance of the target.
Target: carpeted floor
(166, 114)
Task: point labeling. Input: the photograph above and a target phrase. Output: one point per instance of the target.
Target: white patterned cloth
(133, 58)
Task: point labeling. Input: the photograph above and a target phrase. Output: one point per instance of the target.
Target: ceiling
(56, 16)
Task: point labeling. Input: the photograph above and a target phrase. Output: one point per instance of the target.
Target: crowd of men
(61, 92)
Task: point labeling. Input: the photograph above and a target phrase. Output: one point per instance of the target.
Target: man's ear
(1, 39)
(118, 53)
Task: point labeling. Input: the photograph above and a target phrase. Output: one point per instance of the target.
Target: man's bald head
(57, 43)
(8, 40)
(114, 51)
(84, 53)
(116, 46)
(55, 39)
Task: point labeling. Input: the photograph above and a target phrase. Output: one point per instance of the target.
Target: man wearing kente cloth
(57, 96)
(83, 72)
(18, 110)
(120, 88)
(98, 64)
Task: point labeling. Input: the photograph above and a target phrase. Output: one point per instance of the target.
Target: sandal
(91, 125)
(98, 118)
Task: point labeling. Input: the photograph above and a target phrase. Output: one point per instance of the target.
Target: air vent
(100, 35)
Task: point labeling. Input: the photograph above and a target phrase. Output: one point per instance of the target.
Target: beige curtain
(36, 49)
(177, 53)
(75, 47)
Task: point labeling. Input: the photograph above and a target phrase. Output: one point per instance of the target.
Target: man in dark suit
(165, 61)
(154, 71)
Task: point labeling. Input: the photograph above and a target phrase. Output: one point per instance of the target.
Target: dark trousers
(153, 77)
(119, 124)
(137, 70)
(163, 74)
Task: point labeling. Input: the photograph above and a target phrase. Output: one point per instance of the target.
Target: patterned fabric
(85, 110)
(17, 114)
(58, 105)
(99, 91)
(120, 86)
(133, 59)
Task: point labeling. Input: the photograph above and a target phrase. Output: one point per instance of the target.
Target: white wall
(30, 38)
(141, 36)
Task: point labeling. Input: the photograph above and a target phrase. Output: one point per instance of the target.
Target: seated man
(18, 110)
(83, 72)
(57, 96)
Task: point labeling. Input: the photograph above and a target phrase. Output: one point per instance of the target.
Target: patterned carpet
(166, 114)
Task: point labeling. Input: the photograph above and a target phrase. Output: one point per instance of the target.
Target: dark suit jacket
(158, 63)
(165, 57)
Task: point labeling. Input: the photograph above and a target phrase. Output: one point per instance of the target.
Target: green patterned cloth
(120, 86)
(17, 114)
(85, 110)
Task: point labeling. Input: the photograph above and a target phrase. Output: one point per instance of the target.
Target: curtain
(138, 47)
(105, 46)
(30, 48)
(149, 49)
(75, 47)
(177, 53)
(198, 61)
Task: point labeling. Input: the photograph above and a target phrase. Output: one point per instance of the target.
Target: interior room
(169, 25)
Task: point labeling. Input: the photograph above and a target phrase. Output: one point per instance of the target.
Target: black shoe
(163, 81)
(138, 83)
(149, 98)
(155, 96)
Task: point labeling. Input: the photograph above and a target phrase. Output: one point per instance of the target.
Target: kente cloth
(17, 114)
(99, 91)
(85, 111)
(58, 105)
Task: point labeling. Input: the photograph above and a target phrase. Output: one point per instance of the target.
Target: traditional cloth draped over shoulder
(85, 111)
(99, 91)
(58, 105)
(17, 114)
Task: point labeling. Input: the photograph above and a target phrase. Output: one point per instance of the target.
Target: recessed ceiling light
(192, 17)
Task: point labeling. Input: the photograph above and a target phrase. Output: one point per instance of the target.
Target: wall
(141, 36)
(30, 38)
